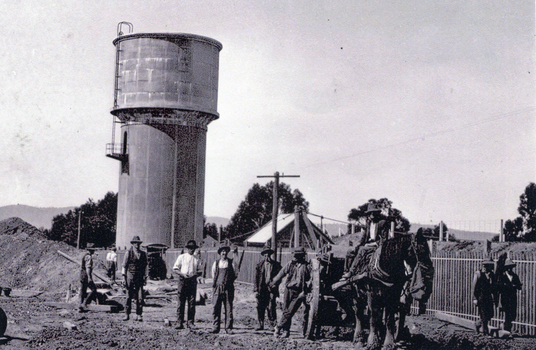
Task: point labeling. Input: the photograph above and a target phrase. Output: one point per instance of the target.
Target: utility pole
(275, 208)
(78, 242)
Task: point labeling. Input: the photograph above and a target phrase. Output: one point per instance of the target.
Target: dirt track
(38, 323)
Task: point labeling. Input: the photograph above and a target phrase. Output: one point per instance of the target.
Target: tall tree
(359, 214)
(256, 209)
(527, 210)
(97, 223)
(512, 229)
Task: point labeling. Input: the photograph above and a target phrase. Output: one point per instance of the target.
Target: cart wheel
(3, 322)
(311, 323)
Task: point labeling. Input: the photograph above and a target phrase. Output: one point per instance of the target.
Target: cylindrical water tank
(167, 71)
(165, 96)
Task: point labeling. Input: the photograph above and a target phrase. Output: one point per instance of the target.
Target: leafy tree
(512, 229)
(527, 210)
(256, 209)
(97, 223)
(359, 214)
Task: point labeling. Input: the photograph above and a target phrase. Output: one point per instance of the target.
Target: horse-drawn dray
(367, 292)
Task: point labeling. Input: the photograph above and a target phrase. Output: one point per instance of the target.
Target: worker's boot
(127, 317)
(261, 326)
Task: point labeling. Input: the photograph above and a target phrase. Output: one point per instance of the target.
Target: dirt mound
(28, 260)
(13, 226)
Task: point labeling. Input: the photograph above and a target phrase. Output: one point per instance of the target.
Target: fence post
(441, 230)
(501, 235)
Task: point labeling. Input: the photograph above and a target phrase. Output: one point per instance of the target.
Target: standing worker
(265, 271)
(223, 275)
(187, 267)
(483, 291)
(86, 279)
(111, 261)
(508, 284)
(296, 287)
(135, 275)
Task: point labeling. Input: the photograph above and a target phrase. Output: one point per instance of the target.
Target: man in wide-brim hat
(187, 268)
(223, 277)
(86, 279)
(265, 271)
(134, 272)
(298, 284)
(508, 284)
(483, 291)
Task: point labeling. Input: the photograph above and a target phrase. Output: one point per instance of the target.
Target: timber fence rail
(454, 273)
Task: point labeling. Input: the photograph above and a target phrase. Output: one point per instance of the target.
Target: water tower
(166, 93)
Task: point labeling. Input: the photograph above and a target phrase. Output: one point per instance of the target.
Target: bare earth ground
(30, 263)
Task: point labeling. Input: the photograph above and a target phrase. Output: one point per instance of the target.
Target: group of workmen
(490, 290)
(188, 269)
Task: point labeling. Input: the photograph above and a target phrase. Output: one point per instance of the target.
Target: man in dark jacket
(86, 279)
(223, 275)
(508, 284)
(483, 291)
(135, 275)
(298, 284)
(265, 271)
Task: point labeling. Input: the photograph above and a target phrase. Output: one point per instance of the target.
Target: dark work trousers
(225, 297)
(292, 304)
(187, 292)
(85, 298)
(134, 284)
(266, 302)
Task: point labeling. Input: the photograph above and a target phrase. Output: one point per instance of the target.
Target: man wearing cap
(508, 284)
(223, 276)
(111, 261)
(483, 291)
(187, 268)
(86, 279)
(134, 272)
(298, 284)
(265, 271)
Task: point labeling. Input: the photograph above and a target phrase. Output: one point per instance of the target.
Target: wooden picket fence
(454, 273)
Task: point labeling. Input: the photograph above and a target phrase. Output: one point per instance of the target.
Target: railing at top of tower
(120, 26)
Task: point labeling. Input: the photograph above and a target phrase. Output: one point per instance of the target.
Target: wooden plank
(71, 259)
(456, 320)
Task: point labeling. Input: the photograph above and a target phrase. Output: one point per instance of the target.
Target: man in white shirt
(111, 261)
(187, 268)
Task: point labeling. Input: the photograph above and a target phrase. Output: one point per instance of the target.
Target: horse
(383, 283)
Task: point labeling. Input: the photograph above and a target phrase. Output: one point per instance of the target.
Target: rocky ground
(41, 317)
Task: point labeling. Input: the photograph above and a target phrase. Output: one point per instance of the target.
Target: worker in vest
(298, 284)
(135, 275)
(265, 271)
(86, 279)
(483, 290)
(223, 275)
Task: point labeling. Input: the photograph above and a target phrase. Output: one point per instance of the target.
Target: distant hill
(38, 217)
(219, 221)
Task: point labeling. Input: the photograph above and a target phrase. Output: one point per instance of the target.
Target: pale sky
(428, 103)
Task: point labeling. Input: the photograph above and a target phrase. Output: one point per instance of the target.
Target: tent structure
(309, 235)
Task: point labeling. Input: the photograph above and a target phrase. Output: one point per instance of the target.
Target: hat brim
(136, 241)
(266, 251)
(224, 248)
(192, 247)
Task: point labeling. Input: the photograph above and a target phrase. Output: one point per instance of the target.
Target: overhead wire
(440, 132)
